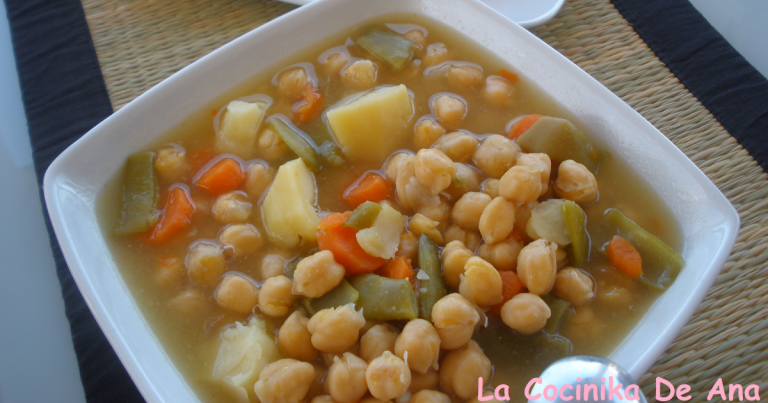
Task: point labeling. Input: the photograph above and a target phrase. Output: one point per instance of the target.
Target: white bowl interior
(709, 223)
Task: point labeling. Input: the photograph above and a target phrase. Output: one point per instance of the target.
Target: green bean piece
(576, 225)
(433, 284)
(342, 294)
(661, 264)
(140, 195)
(383, 298)
(363, 216)
(331, 154)
(530, 354)
(392, 49)
(297, 141)
(561, 312)
(561, 140)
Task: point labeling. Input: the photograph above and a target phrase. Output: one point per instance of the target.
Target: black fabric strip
(64, 97)
(735, 93)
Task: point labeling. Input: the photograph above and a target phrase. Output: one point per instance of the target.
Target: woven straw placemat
(141, 42)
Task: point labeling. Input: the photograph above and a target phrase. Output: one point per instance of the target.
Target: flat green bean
(432, 285)
(392, 49)
(297, 141)
(363, 216)
(383, 298)
(340, 295)
(576, 224)
(140, 195)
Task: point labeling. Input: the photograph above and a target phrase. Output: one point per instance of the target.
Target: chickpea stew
(376, 220)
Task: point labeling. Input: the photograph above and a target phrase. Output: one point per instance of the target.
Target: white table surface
(37, 361)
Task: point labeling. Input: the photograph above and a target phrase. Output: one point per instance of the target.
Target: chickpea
(574, 286)
(417, 36)
(294, 338)
(487, 397)
(458, 146)
(284, 381)
(317, 274)
(525, 313)
(436, 54)
(232, 207)
(376, 341)
(575, 182)
(464, 76)
(537, 266)
(491, 187)
(467, 180)
(523, 214)
(440, 213)
(345, 381)
(171, 163)
(449, 110)
(498, 91)
(271, 146)
(361, 75)
(428, 380)
(388, 376)
(169, 272)
(502, 255)
(454, 318)
(291, 84)
(272, 265)
(419, 224)
(495, 155)
(434, 169)
(540, 160)
(245, 238)
(471, 239)
(391, 166)
(257, 180)
(480, 283)
(497, 220)
(237, 293)
(420, 342)
(521, 184)
(462, 368)
(469, 208)
(426, 132)
(408, 247)
(335, 330)
(204, 262)
(189, 302)
(275, 297)
(335, 62)
(322, 398)
(411, 193)
(430, 396)
(584, 325)
(454, 258)
(371, 399)
(561, 257)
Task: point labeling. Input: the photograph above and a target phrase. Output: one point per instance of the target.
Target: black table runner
(65, 96)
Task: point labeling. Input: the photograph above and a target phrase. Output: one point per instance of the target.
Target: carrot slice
(522, 125)
(311, 104)
(224, 176)
(369, 187)
(398, 269)
(510, 76)
(510, 286)
(342, 242)
(624, 257)
(176, 215)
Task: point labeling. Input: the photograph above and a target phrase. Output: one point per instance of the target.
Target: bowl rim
(65, 167)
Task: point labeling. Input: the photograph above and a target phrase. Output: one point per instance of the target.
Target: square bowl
(709, 224)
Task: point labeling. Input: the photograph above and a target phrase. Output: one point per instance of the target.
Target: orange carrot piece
(369, 187)
(510, 286)
(624, 257)
(510, 76)
(522, 125)
(200, 158)
(224, 176)
(398, 269)
(176, 215)
(311, 104)
(342, 242)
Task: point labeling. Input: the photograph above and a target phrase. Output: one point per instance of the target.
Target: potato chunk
(289, 206)
(239, 127)
(374, 125)
(383, 238)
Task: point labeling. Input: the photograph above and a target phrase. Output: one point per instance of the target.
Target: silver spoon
(528, 13)
(580, 371)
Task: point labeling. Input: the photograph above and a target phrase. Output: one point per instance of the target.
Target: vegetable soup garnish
(395, 215)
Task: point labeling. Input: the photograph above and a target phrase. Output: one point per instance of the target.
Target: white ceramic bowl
(72, 183)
